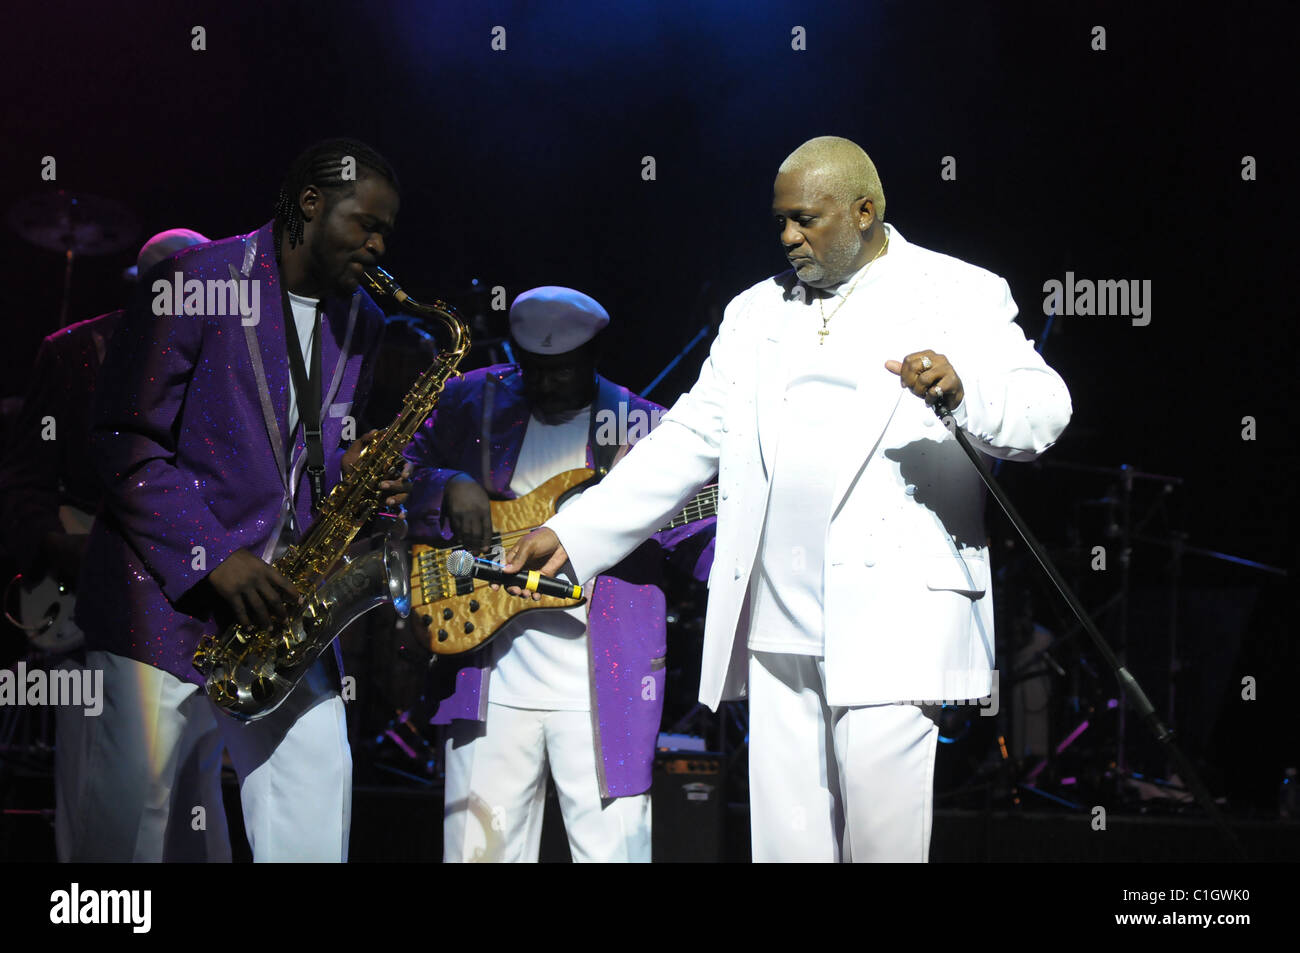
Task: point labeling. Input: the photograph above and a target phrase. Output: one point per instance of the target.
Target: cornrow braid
(322, 165)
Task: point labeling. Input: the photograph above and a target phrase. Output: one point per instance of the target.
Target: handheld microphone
(463, 564)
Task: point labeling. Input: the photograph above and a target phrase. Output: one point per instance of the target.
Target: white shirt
(540, 657)
(304, 316)
(787, 583)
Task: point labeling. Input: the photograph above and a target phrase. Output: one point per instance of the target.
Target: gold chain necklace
(824, 332)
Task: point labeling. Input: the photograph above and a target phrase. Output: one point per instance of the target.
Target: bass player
(579, 690)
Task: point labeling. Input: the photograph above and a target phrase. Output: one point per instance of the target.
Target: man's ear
(866, 210)
(311, 201)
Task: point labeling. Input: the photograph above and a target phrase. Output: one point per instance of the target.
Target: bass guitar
(460, 615)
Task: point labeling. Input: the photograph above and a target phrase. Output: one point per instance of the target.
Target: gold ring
(926, 363)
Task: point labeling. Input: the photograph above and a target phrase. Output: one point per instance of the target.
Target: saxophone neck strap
(307, 393)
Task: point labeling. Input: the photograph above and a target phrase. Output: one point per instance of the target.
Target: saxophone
(249, 671)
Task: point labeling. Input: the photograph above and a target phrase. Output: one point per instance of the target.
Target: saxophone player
(225, 402)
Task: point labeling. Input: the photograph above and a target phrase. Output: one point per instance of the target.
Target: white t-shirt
(304, 316)
(540, 658)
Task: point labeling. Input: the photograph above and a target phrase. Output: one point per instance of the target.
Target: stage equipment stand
(1129, 687)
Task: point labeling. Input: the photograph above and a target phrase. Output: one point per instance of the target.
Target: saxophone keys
(223, 691)
(205, 655)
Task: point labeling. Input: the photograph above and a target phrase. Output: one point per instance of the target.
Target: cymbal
(1122, 471)
(71, 221)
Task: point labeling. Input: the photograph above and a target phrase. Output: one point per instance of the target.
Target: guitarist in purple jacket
(579, 690)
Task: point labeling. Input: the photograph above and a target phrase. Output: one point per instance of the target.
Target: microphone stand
(1128, 684)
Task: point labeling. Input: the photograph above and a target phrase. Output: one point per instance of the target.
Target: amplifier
(688, 801)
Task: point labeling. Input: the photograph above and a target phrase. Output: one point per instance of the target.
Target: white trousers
(834, 784)
(69, 757)
(496, 791)
(145, 782)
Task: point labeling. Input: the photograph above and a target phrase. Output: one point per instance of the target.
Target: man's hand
(353, 453)
(929, 376)
(397, 489)
(465, 504)
(391, 492)
(254, 590)
(540, 550)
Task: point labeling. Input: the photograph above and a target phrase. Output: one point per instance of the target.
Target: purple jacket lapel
(269, 329)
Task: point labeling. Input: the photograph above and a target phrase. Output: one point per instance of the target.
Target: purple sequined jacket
(479, 429)
(184, 450)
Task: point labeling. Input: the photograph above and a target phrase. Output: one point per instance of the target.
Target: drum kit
(76, 225)
(1064, 737)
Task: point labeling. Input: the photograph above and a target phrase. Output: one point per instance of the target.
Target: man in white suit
(851, 579)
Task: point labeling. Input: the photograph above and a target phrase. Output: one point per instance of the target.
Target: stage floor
(403, 824)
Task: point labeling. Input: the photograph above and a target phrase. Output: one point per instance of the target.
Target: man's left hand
(391, 492)
(929, 376)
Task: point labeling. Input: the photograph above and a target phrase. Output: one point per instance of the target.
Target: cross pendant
(821, 336)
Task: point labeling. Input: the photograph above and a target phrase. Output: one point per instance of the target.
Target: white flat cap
(553, 320)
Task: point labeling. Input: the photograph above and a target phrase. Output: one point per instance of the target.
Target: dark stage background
(524, 167)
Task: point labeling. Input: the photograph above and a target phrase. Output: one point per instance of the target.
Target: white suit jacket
(908, 613)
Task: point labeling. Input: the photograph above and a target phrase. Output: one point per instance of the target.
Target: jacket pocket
(968, 575)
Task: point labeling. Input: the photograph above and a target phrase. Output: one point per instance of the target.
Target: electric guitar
(459, 615)
(45, 608)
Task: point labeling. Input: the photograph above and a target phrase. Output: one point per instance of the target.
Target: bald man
(850, 587)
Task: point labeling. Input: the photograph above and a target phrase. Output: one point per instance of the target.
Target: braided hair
(322, 165)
